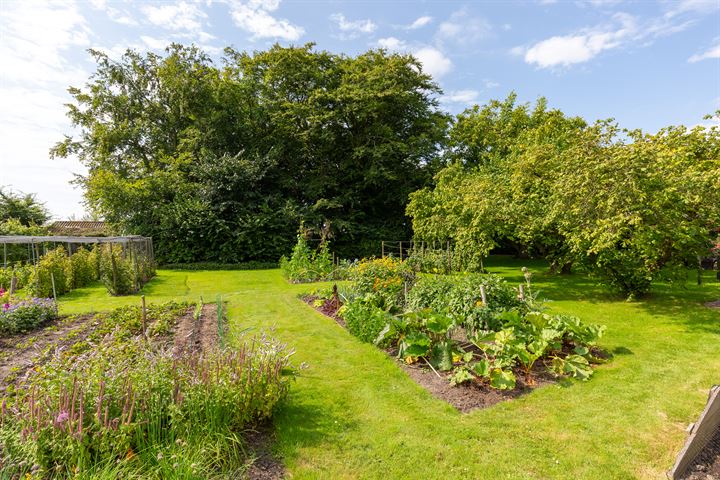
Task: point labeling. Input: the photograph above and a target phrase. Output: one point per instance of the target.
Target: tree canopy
(627, 206)
(224, 162)
(24, 208)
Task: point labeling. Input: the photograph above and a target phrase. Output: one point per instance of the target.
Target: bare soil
(707, 466)
(264, 466)
(192, 336)
(329, 308)
(471, 395)
(19, 353)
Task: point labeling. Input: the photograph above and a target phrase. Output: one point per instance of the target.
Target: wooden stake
(483, 295)
(52, 280)
(144, 314)
(522, 291)
(383, 249)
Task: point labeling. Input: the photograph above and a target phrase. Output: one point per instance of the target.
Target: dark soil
(707, 466)
(19, 353)
(329, 308)
(470, 395)
(264, 465)
(191, 335)
(715, 304)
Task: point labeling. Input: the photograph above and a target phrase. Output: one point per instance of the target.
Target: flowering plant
(26, 315)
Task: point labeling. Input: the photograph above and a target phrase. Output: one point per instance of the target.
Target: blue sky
(647, 64)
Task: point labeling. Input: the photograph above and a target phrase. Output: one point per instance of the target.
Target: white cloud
(355, 27)
(461, 96)
(712, 52)
(36, 39)
(254, 17)
(178, 16)
(580, 47)
(155, 43)
(434, 61)
(392, 43)
(419, 22)
(692, 6)
(463, 29)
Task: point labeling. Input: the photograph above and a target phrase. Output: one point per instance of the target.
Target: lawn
(354, 414)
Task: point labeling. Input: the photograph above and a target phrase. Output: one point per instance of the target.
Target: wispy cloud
(463, 29)
(623, 30)
(712, 52)
(352, 28)
(254, 16)
(178, 16)
(419, 22)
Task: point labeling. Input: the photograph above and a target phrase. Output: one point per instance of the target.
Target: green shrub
(84, 269)
(54, 265)
(117, 273)
(306, 265)
(365, 317)
(26, 315)
(386, 277)
(460, 297)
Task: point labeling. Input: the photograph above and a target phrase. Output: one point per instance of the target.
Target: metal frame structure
(35, 242)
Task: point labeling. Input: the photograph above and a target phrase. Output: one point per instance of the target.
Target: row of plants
(469, 328)
(126, 406)
(57, 272)
(312, 265)
(25, 315)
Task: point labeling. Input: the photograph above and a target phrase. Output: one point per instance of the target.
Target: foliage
(84, 267)
(639, 209)
(124, 397)
(627, 206)
(54, 266)
(385, 277)
(22, 274)
(116, 270)
(365, 317)
(221, 266)
(460, 296)
(22, 207)
(26, 315)
(249, 149)
(306, 265)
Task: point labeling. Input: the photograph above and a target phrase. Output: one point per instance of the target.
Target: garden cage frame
(37, 245)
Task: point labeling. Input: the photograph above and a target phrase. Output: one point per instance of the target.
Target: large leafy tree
(24, 208)
(223, 163)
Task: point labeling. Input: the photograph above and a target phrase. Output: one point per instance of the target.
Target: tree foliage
(222, 163)
(628, 206)
(22, 207)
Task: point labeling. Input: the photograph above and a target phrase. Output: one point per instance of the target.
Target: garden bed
(464, 397)
(186, 333)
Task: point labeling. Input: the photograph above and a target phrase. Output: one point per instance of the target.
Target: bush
(116, 272)
(83, 269)
(54, 265)
(305, 265)
(365, 317)
(386, 277)
(221, 266)
(26, 315)
(22, 274)
(460, 297)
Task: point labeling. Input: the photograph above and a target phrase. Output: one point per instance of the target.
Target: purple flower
(6, 306)
(62, 417)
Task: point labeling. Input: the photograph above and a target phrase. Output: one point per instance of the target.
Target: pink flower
(62, 417)
(6, 306)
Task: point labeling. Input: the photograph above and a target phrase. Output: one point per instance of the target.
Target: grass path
(354, 414)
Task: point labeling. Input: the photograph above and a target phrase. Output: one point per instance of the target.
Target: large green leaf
(502, 379)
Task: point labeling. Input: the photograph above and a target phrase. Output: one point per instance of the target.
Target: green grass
(354, 414)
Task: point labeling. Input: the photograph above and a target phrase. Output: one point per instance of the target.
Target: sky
(648, 64)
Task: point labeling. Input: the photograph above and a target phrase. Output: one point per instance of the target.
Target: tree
(23, 207)
(224, 163)
(635, 207)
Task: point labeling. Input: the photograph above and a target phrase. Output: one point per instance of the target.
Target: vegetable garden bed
(98, 391)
